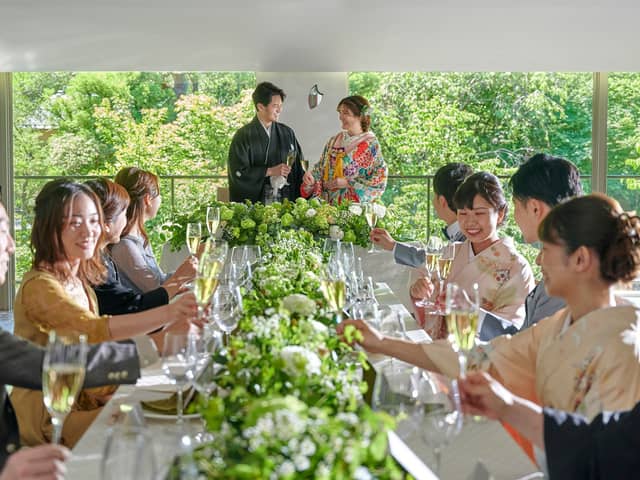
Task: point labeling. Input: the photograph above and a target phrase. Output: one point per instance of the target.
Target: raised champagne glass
(333, 286)
(213, 220)
(210, 269)
(432, 252)
(305, 164)
(462, 311)
(372, 219)
(63, 371)
(194, 234)
(291, 159)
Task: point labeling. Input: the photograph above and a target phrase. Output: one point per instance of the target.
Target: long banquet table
(480, 449)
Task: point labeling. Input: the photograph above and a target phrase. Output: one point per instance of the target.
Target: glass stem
(437, 454)
(180, 406)
(462, 362)
(338, 318)
(57, 429)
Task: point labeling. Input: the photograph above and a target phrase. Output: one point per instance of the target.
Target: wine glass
(331, 247)
(213, 220)
(393, 390)
(194, 233)
(128, 454)
(392, 323)
(206, 281)
(291, 159)
(333, 286)
(372, 218)
(437, 410)
(432, 252)
(227, 308)
(63, 371)
(253, 254)
(179, 358)
(462, 310)
(305, 164)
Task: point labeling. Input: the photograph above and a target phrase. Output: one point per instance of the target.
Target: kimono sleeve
(371, 181)
(245, 180)
(49, 307)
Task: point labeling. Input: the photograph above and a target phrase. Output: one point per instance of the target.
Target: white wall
(313, 127)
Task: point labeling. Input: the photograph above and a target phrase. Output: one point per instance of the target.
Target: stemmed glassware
(210, 268)
(194, 234)
(63, 371)
(128, 455)
(179, 360)
(305, 164)
(372, 218)
(333, 285)
(227, 308)
(462, 313)
(438, 411)
(213, 220)
(432, 251)
(291, 159)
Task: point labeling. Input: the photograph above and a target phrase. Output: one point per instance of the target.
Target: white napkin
(277, 182)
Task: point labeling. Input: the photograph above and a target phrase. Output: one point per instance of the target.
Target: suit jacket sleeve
(22, 360)
(540, 305)
(408, 255)
(606, 448)
(494, 326)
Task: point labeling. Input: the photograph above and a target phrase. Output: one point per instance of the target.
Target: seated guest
(574, 360)
(503, 275)
(445, 183)
(607, 448)
(351, 166)
(56, 295)
(113, 297)
(132, 255)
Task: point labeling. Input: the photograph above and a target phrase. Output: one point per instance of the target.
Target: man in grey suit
(539, 184)
(107, 363)
(446, 181)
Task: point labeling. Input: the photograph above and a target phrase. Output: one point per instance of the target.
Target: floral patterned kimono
(359, 160)
(504, 279)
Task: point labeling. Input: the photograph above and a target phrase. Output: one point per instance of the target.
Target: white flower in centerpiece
(318, 327)
(299, 303)
(631, 337)
(311, 212)
(286, 469)
(362, 473)
(380, 210)
(302, 463)
(307, 447)
(355, 209)
(300, 361)
(335, 232)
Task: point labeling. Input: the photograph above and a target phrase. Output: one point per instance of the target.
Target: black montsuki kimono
(249, 160)
(607, 448)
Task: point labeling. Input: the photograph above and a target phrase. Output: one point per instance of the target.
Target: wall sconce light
(315, 97)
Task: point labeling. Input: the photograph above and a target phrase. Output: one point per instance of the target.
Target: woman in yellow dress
(56, 294)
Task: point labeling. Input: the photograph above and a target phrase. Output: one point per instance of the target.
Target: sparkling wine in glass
(432, 251)
(291, 159)
(462, 312)
(213, 220)
(333, 286)
(194, 234)
(63, 373)
(305, 164)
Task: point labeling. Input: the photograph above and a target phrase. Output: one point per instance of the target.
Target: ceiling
(322, 35)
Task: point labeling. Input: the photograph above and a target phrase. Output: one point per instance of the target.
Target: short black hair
(549, 179)
(448, 178)
(264, 92)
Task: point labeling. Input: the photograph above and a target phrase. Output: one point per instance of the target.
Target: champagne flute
(462, 312)
(432, 252)
(179, 358)
(291, 159)
(227, 309)
(372, 218)
(210, 268)
(213, 220)
(305, 164)
(194, 233)
(333, 286)
(63, 371)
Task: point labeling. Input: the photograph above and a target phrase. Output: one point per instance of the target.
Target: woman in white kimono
(504, 277)
(582, 359)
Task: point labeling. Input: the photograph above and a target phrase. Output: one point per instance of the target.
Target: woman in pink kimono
(585, 358)
(351, 166)
(504, 277)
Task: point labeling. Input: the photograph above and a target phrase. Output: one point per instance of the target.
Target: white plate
(163, 416)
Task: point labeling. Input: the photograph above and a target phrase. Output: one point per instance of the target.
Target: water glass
(128, 455)
(179, 360)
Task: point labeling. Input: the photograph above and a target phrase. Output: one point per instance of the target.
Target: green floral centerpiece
(290, 391)
(255, 223)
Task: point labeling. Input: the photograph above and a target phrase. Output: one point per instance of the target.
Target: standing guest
(57, 295)
(257, 167)
(133, 255)
(351, 166)
(503, 275)
(113, 297)
(446, 181)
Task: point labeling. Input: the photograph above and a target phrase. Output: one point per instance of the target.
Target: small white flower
(631, 337)
(362, 473)
(301, 462)
(299, 303)
(318, 327)
(286, 469)
(310, 213)
(300, 361)
(307, 447)
(355, 209)
(380, 210)
(335, 232)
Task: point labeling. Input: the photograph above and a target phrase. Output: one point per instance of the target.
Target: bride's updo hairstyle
(597, 222)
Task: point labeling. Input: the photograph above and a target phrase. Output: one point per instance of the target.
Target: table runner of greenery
(292, 402)
(255, 223)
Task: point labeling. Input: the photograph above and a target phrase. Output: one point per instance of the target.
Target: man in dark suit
(446, 181)
(107, 363)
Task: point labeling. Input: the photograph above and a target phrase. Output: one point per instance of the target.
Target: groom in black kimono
(257, 163)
